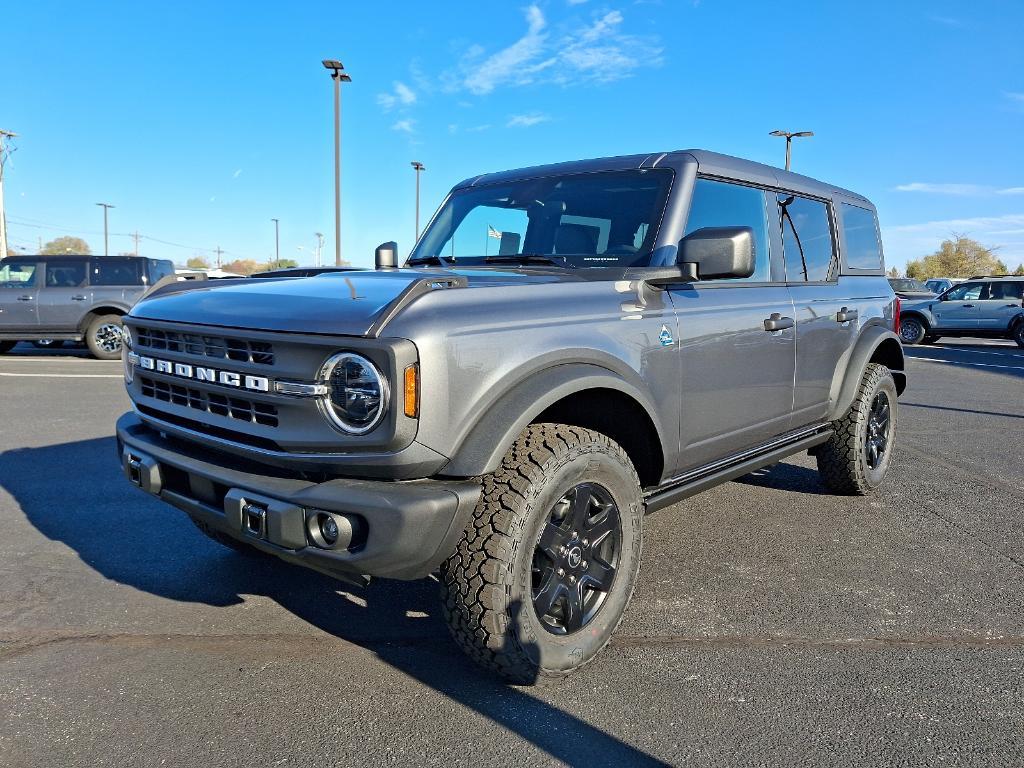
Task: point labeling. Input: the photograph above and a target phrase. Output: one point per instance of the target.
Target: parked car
(303, 271)
(939, 284)
(631, 341)
(983, 307)
(907, 288)
(73, 298)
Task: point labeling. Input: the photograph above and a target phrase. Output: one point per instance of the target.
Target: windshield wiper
(439, 260)
(528, 258)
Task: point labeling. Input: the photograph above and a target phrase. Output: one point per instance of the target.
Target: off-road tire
(842, 461)
(1018, 333)
(96, 334)
(6, 346)
(912, 330)
(486, 585)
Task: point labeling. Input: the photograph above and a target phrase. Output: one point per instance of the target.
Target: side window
(720, 204)
(965, 292)
(65, 274)
(126, 271)
(806, 238)
(1007, 291)
(17, 274)
(860, 238)
(159, 270)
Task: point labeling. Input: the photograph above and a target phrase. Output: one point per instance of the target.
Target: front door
(65, 299)
(18, 295)
(736, 371)
(959, 307)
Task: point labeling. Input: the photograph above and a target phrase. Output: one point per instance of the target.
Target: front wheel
(855, 459)
(104, 337)
(544, 572)
(912, 330)
(1018, 334)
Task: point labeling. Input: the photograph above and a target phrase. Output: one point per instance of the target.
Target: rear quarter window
(861, 247)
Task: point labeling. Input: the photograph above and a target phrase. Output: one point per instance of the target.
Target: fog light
(329, 529)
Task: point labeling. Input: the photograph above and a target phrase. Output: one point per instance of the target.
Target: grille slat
(204, 345)
(238, 408)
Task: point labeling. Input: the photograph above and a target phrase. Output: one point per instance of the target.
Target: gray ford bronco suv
(567, 348)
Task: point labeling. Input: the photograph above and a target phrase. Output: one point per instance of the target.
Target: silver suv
(567, 348)
(983, 307)
(73, 298)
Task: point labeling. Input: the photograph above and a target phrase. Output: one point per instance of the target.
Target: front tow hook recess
(135, 470)
(254, 520)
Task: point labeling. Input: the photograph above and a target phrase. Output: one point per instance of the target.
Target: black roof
(711, 163)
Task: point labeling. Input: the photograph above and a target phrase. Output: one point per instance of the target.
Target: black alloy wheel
(878, 430)
(575, 558)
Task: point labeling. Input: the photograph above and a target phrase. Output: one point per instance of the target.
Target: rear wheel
(1018, 334)
(6, 346)
(544, 572)
(912, 330)
(855, 459)
(104, 337)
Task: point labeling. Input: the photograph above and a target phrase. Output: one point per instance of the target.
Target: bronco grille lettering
(208, 375)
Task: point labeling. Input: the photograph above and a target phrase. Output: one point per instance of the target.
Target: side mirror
(719, 253)
(386, 255)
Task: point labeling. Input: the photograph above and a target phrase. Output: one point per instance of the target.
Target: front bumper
(408, 527)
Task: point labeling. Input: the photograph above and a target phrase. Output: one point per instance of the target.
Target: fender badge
(666, 337)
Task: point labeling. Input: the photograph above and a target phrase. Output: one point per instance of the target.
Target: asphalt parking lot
(772, 625)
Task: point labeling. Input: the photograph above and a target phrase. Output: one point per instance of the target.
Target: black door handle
(845, 315)
(24, 298)
(968, 306)
(777, 322)
(78, 298)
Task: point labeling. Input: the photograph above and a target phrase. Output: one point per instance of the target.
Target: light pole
(338, 76)
(106, 242)
(3, 213)
(419, 168)
(319, 247)
(277, 243)
(789, 138)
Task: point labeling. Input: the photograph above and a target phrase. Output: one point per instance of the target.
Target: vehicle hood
(916, 295)
(341, 303)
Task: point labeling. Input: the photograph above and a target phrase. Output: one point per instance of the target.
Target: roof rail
(986, 277)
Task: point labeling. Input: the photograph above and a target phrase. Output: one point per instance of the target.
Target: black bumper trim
(412, 526)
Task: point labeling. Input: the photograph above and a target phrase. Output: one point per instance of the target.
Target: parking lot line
(975, 365)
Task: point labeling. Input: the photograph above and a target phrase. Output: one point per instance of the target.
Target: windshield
(606, 219)
(909, 285)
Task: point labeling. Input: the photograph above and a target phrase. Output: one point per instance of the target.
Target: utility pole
(277, 244)
(319, 247)
(419, 168)
(218, 251)
(106, 240)
(789, 139)
(338, 76)
(4, 135)
(135, 237)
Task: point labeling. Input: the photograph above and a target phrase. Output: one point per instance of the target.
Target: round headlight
(358, 395)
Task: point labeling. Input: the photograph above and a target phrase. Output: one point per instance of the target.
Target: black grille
(221, 347)
(210, 402)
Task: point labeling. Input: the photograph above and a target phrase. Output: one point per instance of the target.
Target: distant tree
(62, 245)
(1019, 271)
(958, 257)
(243, 267)
(281, 264)
(197, 262)
(894, 272)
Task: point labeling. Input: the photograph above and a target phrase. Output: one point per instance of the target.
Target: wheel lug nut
(575, 535)
(586, 543)
(583, 565)
(572, 579)
(561, 572)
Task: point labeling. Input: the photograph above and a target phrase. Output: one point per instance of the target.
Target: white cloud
(405, 126)
(911, 241)
(400, 96)
(597, 52)
(958, 189)
(525, 121)
(236, 174)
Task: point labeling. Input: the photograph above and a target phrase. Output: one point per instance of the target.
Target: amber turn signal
(412, 391)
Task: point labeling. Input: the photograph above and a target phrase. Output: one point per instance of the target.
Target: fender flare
(919, 315)
(481, 451)
(847, 378)
(101, 309)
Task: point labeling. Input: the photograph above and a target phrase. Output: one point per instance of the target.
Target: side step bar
(701, 480)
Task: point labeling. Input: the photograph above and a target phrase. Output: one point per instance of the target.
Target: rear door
(1000, 305)
(117, 279)
(958, 308)
(736, 377)
(820, 301)
(65, 296)
(19, 281)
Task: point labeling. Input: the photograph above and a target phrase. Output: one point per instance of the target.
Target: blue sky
(202, 121)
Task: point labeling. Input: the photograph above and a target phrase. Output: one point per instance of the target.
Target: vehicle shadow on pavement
(74, 493)
(786, 477)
